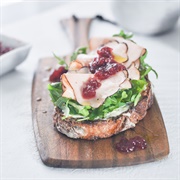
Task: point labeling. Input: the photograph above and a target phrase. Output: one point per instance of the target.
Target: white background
(19, 155)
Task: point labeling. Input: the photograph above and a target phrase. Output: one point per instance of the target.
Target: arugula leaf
(61, 61)
(124, 35)
(66, 105)
(144, 67)
(81, 50)
(138, 87)
(82, 110)
(55, 90)
(61, 102)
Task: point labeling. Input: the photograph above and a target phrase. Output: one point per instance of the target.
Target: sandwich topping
(98, 84)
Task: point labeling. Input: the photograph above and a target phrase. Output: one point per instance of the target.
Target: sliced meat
(95, 43)
(108, 87)
(68, 91)
(81, 61)
(133, 72)
(119, 51)
(83, 70)
(85, 59)
(137, 63)
(74, 66)
(126, 84)
(134, 51)
(76, 81)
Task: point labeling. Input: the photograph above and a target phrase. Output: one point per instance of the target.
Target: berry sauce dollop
(4, 49)
(56, 74)
(133, 144)
(103, 67)
(89, 90)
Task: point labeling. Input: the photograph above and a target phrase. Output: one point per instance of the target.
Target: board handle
(77, 30)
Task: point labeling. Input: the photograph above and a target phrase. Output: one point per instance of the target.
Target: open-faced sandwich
(104, 90)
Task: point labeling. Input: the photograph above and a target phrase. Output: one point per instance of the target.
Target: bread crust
(92, 130)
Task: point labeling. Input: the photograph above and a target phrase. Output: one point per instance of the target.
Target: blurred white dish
(146, 17)
(14, 57)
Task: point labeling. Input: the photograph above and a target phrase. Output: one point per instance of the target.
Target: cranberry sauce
(56, 74)
(133, 144)
(4, 49)
(89, 90)
(103, 67)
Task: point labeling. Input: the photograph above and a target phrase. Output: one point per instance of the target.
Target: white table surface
(19, 156)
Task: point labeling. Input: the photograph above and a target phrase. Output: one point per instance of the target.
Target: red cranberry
(139, 142)
(56, 74)
(89, 91)
(133, 144)
(105, 52)
(101, 75)
(105, 56)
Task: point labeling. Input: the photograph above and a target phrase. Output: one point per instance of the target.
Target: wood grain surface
(57, 150)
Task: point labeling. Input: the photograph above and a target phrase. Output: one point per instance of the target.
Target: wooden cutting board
(57, 150)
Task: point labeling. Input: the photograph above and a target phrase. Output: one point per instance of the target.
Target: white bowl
(14, 57)
(146, 17)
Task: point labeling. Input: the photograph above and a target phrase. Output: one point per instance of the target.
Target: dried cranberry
(56, 74)
(133, 144)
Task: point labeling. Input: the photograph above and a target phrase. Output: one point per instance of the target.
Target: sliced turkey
(126, 84)
(134, 51)
(68, 91)
(108, 87)
(133, 72)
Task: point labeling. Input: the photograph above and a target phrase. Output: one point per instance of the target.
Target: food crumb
(38, 99)
(48, 68)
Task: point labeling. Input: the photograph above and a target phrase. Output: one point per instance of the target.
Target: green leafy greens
(81, 50)
(68, 106)
(144, 67)
(124, 35)
(61, 61)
